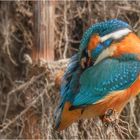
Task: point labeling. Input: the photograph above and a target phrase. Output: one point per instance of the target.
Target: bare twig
(66, 30)
(19, 88)
(23, 112)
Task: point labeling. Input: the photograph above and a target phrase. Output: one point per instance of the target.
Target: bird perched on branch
(102, 77)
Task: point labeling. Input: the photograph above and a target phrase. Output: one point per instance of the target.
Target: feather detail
(68, 117)
(65, 88)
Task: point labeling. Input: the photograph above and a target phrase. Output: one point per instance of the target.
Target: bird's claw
(83, 62)
(110, 117)
(89, 61)
(86, 62)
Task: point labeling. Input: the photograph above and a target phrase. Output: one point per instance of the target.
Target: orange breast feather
(115, 100)
(68, 117)
(130, 44)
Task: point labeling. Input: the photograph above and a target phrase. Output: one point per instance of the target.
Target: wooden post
(44, 31)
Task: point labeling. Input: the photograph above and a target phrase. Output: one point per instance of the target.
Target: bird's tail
(57, 114)
(66, 117)
(63, 116)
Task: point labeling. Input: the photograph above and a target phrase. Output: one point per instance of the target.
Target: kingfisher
(102, 77)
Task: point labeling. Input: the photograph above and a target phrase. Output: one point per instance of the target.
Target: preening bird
(102, 77)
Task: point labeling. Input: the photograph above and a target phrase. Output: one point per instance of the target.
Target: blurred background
(37, 38)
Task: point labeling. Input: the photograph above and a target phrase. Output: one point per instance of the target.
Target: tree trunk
(44, 31)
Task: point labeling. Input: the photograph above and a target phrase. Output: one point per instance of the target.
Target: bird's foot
(89, 62)
(83, 62)
(86, 62)
(110, 117)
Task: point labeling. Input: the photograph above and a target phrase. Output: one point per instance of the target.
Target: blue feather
(72, 66)
(100, 47)
(69, 82)
(98, 81)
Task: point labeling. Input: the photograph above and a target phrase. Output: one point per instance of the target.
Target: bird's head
(100, 36)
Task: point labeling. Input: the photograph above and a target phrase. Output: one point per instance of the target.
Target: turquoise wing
(72, 67)
(68, 87)
(109, 75)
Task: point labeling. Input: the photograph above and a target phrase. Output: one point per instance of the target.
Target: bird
(102, 77)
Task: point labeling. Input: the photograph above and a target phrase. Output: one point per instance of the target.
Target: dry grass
(28, 95)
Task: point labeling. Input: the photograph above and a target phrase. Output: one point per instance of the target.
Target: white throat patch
(116, 35)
